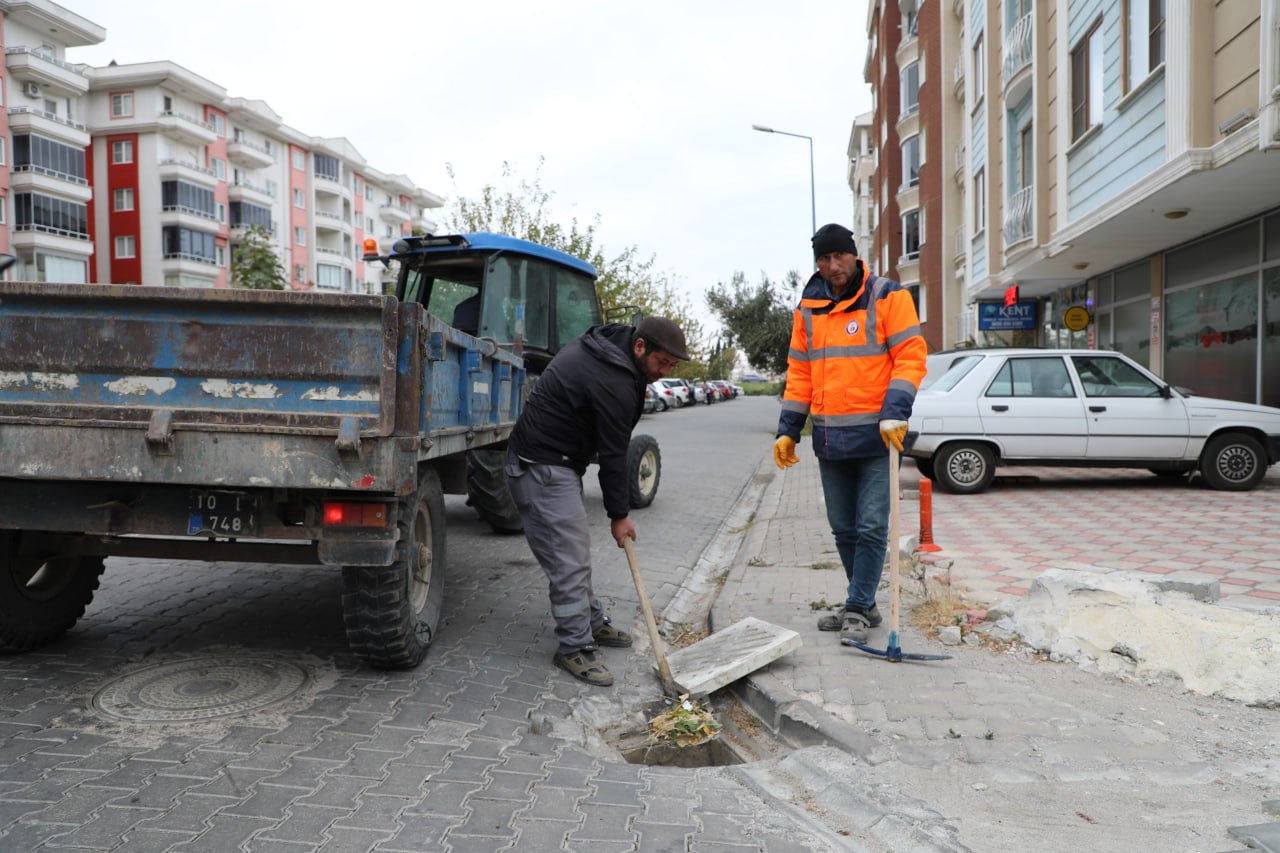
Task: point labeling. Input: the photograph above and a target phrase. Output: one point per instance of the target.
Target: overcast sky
(642, 111)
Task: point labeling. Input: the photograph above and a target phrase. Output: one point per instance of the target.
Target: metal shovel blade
(893, 652)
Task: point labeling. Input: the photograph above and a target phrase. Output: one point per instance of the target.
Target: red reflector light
(339, 514)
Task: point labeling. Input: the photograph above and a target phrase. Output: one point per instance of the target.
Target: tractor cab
(502, 288)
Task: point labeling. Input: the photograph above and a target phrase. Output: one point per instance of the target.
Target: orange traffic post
(926, 517)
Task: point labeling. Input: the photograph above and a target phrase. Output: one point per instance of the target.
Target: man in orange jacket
(855, 364)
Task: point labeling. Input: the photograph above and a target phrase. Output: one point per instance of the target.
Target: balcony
(391, 213)
(188, 217)
(246, 154)
(1017, 51)
(325, 185)
(326, 221)
(957, 78)
(961, 155)
(49, 182)
(30, 66)
(187, 171)
(186, 129)
(179, 263)
(246, 190)
(49, 125)
(1018, 216)
(41, 238)
(961, 245)
(327, 255)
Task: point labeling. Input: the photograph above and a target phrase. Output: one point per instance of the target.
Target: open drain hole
(741, 739)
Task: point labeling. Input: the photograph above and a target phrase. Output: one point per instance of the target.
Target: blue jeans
(857, 498)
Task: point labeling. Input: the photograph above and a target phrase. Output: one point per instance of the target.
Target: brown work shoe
(585, 665)
(614, 638)
(835, 621)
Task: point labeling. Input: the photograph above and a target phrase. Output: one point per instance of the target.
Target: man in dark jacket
(584, 406)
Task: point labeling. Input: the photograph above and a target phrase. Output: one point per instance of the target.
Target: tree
(758, 319)
(254, 264)
(623, 280)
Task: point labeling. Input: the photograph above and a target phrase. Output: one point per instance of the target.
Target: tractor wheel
(488, 493)
(390, 612)
(41, 595)
(644, 470)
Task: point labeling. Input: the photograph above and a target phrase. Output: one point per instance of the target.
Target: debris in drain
(688, 724)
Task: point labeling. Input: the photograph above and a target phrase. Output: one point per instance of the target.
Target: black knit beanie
(833, 238)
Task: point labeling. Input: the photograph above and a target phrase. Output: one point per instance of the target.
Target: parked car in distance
(726, 388)
(699, 392)
(666, 398)
(684, 394)
(1080, 408)
(651, 400)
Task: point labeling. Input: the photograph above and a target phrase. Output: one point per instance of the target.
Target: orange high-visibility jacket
(852, 362)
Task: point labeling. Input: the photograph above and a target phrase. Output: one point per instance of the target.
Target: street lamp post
(813, 206)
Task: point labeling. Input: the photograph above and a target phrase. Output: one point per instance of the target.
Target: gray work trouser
(549, 498)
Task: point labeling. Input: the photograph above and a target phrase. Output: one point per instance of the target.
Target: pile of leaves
(688, 724)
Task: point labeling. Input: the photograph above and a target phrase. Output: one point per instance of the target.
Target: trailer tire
(488, 492)
(644, 470)
(391, 612)
(41, 598)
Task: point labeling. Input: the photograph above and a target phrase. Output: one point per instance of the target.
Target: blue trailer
(313, 428)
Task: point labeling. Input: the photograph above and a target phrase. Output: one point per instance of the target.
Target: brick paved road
(481, 748)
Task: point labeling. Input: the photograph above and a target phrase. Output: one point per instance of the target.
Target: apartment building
(152, 174)
(1121, 156)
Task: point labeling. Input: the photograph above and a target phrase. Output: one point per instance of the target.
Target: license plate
(220, 513)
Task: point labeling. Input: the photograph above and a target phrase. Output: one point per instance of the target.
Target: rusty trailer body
(237, 425)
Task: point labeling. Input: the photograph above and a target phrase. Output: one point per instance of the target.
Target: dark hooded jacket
(584, 407)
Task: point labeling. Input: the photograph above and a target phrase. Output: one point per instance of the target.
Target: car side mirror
(1166, 392)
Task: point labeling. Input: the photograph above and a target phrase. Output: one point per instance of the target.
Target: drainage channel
(741, 739)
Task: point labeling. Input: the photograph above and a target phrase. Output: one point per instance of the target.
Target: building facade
(1122, 156)
(151, 174)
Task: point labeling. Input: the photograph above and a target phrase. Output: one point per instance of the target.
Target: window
(979, 69)
(187, 198)
(359, 185)
(122, 151)
(188, 244)
(299, 198)
(299, 272)
(220, 256)
(911, 88)
(222, 212)
(4, 206)
(329, 277)
(1103, 376)
(123, 199)
(299, 159)
(300, 236)
(1026, 157)
(4, 151)
(271, 188)
(219, 124)
(125, 247)
(1143, 40)
(244, 214)
(911, 234)
(327, 167)
(1032, 377)
(218, 167)
(1086, 82)
(121, 104)
(168, 105)
(237, 135)
(979, 200)
(36, 212)
(33, 153)
(911, 161)
(920, 296)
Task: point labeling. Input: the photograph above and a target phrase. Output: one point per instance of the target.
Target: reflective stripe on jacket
(853, 362)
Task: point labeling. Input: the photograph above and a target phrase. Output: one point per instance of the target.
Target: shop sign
(998, 317)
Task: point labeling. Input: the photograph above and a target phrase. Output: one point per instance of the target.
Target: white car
(678, 387)
(1079, 408)
(666, 398)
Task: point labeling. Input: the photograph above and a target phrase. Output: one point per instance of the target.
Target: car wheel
(925, 467)
(662, 405)
(1233, 462)
(964, 468)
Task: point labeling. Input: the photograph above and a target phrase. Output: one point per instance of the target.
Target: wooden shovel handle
(893, 539)
(664, 671)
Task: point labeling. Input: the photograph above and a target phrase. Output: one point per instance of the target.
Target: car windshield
(947, 379)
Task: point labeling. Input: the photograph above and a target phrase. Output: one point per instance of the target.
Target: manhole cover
(199, 689)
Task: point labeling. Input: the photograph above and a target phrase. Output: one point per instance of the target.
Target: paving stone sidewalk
(999, 749)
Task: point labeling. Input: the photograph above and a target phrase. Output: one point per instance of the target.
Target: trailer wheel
(644, 470)
(390, 612)
(41, 595)
(488, 492)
